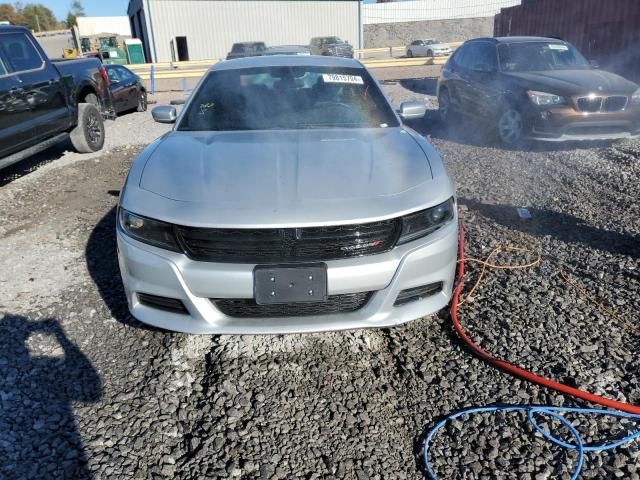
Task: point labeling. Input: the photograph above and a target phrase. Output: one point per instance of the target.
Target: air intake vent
(248, 308)
(417, 293)
(162, 303)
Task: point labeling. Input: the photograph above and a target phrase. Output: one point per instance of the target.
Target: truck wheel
(88, 136)
(142, 101)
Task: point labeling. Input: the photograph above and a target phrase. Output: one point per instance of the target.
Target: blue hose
(554, 412)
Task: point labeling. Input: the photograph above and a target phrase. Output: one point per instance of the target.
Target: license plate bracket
(304, 283)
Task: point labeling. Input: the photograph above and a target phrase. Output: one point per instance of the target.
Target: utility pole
(38, 21)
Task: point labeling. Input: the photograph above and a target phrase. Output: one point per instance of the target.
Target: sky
(91, 7)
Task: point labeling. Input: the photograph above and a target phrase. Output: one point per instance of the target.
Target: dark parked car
(44, 102)
(330, 46)
(127, 89)
(246, 49)
(537, 87)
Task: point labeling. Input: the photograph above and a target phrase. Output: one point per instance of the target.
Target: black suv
(539, 88)
(246, 49)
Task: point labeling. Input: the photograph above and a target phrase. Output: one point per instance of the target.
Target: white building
(206, 29)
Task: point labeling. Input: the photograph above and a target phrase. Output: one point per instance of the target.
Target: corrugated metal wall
(605, 31)
(212, 26)
(417, 10)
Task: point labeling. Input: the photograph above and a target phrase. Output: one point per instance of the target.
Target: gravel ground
(88, 392)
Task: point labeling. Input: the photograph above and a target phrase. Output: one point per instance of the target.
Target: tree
(39, 18)
(76, 10)
(9, 14)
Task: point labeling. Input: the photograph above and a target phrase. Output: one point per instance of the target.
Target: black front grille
(248, 308)
(589, 104)
(288, 244)
(615, 103)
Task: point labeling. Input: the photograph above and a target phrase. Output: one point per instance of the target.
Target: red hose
(513, 369)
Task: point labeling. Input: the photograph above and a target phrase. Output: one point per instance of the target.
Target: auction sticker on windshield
(557, 46)
(339, 78)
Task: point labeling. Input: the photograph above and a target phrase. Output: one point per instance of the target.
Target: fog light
(417, 293)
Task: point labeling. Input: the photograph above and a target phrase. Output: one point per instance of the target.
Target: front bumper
(154, 271)
(564, 123)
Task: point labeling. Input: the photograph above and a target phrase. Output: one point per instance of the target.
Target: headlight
(542, 98)
(421, 224)
(635, 98)
(153, 232)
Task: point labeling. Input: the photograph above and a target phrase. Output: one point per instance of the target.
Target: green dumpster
(135, 52)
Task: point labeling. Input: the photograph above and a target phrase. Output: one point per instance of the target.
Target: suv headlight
(424, 222)
(153, 232)
(635, 98)
(543, 98)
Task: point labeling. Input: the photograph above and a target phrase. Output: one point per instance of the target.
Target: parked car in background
(288, 197)
(246, 49)
(287, 50)
(428, 48)
(537, 87)
(127, 90)
(44, 102)
(330, 46)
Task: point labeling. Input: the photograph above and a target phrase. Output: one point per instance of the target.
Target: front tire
(410, 53)
(444, 105)
(142, 101)
(429, 53)
(88, 135)
(511, 126)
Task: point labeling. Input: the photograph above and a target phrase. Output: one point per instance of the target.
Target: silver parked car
(428, 48)
(288, 197)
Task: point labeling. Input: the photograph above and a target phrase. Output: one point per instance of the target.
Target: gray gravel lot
(88, 392)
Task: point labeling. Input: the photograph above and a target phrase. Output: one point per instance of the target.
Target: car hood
(574, 82)
(279, 178)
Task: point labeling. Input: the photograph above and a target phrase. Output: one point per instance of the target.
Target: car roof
(248, 43)
(287, 61)
(13, 28)
(516, 39)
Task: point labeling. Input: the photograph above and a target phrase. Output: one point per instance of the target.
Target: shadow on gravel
(562, 226)
(102, 261)
(41, 374)
(422, 86)
(31, 164)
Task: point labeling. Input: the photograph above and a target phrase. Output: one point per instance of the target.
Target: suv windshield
(271, 98)
(332, 40)
(535, 56)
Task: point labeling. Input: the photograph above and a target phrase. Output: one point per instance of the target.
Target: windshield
(272, 98)
(535, 56)
(333, 40)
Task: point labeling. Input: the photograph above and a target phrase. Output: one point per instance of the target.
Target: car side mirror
(483, 68)
(164, 114)
(412, 110)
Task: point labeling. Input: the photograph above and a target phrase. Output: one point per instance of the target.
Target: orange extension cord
(502, 364)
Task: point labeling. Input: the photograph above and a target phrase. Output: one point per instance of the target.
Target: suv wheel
(511, 126)
(444, 105)
(88, 135)
(430, 53)
(410, 53)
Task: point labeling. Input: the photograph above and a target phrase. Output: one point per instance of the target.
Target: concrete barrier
(193, 70)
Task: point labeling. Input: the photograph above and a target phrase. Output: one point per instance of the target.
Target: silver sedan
(428, 48)
(288, 197)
